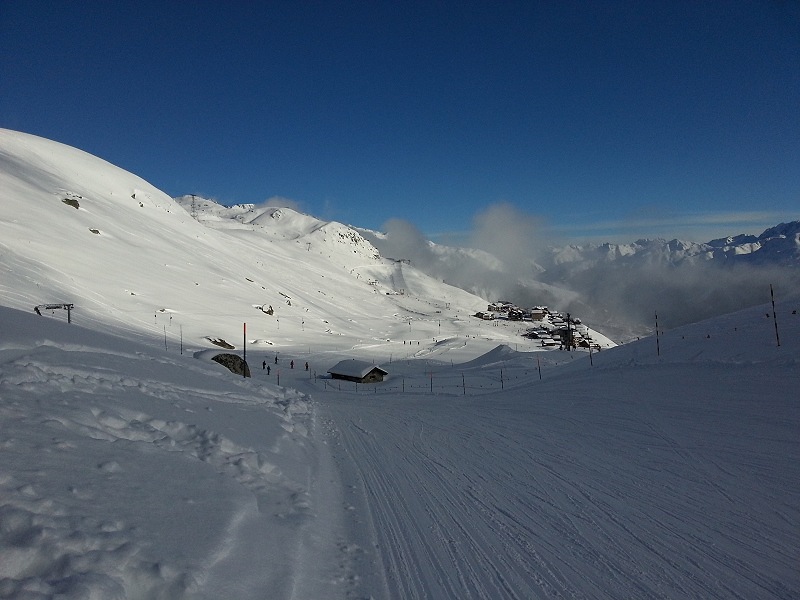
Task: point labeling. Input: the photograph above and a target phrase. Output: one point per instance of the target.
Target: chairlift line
(55, 306)
(66, 306)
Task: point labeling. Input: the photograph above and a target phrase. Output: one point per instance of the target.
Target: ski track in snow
(512, 501)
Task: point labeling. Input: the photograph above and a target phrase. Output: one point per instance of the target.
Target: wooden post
(774, 315)
(658, 346)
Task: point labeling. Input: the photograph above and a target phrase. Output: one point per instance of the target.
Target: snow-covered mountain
(779, 245)
(622, 286)
(75, 229)
(484, 466)
(283, 224)
(102, 217)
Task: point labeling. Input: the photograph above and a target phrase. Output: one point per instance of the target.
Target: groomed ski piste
(483, 466)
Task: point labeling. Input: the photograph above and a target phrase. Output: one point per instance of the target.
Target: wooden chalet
(359, 371)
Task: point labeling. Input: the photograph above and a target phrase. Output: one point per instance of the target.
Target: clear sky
(614, 120)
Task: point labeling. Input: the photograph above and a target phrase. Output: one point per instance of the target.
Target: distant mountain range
(623, 286)
(779, 245)
(619, 287)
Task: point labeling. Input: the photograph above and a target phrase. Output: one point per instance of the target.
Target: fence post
(774, 315)
(658, 347)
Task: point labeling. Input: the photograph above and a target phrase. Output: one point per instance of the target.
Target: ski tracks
(443, 531)
(467, 501)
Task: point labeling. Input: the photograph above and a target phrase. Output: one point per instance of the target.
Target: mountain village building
(359, 371)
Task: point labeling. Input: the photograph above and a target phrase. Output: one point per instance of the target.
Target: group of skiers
(266, 367)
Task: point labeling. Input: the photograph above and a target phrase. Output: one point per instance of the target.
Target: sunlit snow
(484, 466)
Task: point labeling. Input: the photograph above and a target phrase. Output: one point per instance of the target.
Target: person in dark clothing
(263, 365)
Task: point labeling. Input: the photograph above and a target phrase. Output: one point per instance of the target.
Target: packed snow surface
(129, 471)
(484, 466)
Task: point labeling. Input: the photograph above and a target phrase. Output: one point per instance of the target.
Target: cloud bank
(510, 255)
(624, 298)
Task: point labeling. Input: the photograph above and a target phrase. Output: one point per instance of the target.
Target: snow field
(129, 474)
(662, 480)
(130, 470)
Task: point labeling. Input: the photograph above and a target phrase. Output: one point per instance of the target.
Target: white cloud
(282, 202)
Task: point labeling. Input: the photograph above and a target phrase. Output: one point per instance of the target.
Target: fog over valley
(618, 287)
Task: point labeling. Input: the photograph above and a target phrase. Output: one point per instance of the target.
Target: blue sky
(609, 120)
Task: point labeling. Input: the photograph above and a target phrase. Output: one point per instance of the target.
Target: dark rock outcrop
(234, 363)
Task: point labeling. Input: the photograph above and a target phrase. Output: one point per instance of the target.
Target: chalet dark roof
(354, 368)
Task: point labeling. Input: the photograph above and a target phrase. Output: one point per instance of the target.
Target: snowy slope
(133, 472)
(74, 228)
(483, 467)
(630, 475)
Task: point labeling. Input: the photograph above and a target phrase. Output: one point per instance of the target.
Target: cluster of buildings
(553, 328)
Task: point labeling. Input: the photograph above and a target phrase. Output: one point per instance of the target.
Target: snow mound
(500, 354)
(137, 485)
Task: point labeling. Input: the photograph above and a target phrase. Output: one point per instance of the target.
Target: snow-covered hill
(484, 466)
(251, 256)
(75, 229)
